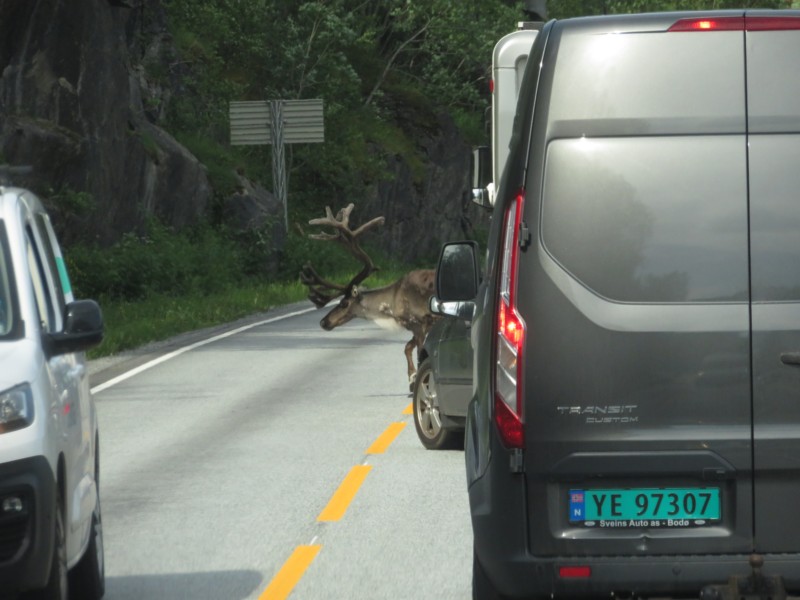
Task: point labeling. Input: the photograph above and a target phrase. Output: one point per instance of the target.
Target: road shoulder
(106, 368)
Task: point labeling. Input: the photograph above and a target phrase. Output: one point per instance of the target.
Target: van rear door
(634, 291)
(773, 101)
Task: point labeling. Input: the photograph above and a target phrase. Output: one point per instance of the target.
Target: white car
(51, 541)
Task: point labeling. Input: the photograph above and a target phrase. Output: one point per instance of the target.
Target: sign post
(279, 159)
(277, 122)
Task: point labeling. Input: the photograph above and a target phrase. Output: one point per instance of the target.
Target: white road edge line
(157, 361)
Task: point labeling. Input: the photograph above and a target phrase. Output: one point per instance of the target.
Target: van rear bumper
(26, 536)
(525, 577)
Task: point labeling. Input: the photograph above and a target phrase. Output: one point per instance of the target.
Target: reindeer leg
(412, 371)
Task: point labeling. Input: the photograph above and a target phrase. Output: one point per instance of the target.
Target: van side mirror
(482, 176)
(83, 328)
(457, 272)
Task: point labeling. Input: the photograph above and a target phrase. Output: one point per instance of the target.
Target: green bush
(197, 261)
(203, 261)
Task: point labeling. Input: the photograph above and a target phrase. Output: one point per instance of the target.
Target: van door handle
(791, 358)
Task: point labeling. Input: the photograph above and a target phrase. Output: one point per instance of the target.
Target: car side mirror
(457, 272)
(83, 328)
(461, 310)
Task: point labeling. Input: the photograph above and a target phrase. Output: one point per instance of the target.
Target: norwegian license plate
(667, 507)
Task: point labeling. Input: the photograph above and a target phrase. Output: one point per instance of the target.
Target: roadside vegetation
(162, 283)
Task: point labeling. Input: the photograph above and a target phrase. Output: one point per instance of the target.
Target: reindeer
(404, 302)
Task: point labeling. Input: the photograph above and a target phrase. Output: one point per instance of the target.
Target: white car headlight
(16, 408)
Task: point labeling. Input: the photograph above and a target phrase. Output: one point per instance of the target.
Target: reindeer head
(348, 308)
(322, 291)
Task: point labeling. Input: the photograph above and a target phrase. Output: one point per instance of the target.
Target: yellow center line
(380, 445)
(344, 495)
(292, 570)
(409, 410)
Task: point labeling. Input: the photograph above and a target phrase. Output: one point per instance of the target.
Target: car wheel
(88, 578)
(57, 583)
(427, 417)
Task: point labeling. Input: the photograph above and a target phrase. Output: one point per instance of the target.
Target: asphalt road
(276, 461)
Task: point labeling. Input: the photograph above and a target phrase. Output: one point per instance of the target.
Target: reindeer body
(404, 302)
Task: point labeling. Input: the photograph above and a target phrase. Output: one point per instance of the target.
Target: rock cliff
(423, 212)
(71, 106)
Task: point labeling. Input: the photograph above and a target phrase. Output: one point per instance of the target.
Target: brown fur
(405, 301)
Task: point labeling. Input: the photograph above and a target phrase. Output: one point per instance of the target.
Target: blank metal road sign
(251, 122)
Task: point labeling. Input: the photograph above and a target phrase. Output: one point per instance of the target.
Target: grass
(130, 324)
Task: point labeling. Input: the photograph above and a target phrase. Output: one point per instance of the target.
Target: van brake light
(738, 24)
(509, 335)
(717, 24)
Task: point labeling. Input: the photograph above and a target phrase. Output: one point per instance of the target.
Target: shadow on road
(231, 585)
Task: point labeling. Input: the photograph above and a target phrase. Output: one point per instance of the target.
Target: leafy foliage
(198, 262)
(378, 66)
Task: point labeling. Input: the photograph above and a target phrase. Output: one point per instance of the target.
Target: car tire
(57, 587)
(427, 418)
(87, 579)
(482, 588)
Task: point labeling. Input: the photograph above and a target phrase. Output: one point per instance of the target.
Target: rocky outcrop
(71, 106)
(423, 212)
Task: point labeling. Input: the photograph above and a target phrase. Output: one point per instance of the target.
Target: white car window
(59, 282)
(44, 303)
(6, 313)
(55, 253)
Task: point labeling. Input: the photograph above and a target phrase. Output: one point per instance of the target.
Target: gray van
(635, 420)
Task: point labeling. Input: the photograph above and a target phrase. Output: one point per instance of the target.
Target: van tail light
(710, 24)
(578, 572)
(782, 23)
(509, 335)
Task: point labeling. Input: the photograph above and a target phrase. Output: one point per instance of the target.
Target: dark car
(443, 386)
(635, 422)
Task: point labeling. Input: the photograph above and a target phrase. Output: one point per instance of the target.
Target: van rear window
(775, 217)
(649, 219)
(773, 82)
(647, 84)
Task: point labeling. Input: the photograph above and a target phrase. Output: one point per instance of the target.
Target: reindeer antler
(322, 291)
